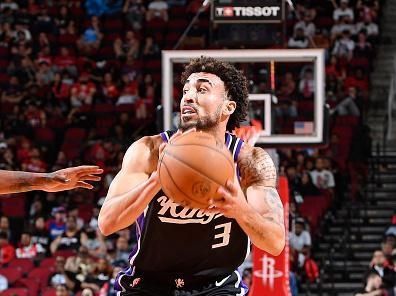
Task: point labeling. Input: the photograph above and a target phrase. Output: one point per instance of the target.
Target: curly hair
(235, 83)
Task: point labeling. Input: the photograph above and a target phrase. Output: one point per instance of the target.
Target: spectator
(9, 4)
(307, 187)
(150, 48)
(299, 40)
(378, 265)
(98, 277)
(13, 93)
(300, 241)
(5, 227)
(90, 40)
(134, 11)
(63, 19)
(81, 264)
(306, 87)
(342, 25)
(62, 290)
(34, 163)
(343, 11)
(40, 234)
(57, 225)
(321, 178)
(370, 28)
(288, 85)
(108, 288)
(70, 239)
(28, 249)
(45, 74)
(307, 26)
(3, 283)
(344, 46)
(127, 48)
(129, 91)
(82, 92)
(65, 61)
(94, 243)
(372, 286)
(62, 276)
(73, 211)
(109, 88)
(348, 105)
(121, 253)
(7, 251)
(157, 9)
(363, 48)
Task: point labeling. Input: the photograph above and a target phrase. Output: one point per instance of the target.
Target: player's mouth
(188, 111)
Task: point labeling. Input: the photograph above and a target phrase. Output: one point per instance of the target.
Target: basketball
(192, 167)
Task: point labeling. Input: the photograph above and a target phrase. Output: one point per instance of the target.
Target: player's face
(204, 104)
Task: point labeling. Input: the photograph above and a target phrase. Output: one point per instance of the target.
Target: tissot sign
(248, 11)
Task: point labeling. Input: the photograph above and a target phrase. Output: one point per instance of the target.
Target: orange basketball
(193, 167)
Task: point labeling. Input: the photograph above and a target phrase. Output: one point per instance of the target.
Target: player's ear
(229, 107)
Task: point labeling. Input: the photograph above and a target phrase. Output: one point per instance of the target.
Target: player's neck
(217, 132)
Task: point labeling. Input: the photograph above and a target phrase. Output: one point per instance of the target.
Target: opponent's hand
(233, 202)
(71, 178)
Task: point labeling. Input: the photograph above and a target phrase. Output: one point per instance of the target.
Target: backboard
(286, 91)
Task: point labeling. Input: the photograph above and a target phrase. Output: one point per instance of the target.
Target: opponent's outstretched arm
(258, 210)
(65, 179)
(132, 188)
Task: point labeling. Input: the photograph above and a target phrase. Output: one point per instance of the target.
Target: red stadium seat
(48, 262)
(25, 264)
(64, 253)
(41, 274)
(32, 285)
(15, 292)
(15, 206)
(11, 273)
(49, 292)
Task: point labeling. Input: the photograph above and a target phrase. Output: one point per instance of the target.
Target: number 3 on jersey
(223, 236)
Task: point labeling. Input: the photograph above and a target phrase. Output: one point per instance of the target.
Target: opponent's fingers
(85, 185)
(90, 178)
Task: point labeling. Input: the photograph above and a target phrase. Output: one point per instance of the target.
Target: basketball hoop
(250, 133)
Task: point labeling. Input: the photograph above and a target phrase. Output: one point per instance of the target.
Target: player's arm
(65, 179)
(258, 210)
(132, 188)
(264, 219)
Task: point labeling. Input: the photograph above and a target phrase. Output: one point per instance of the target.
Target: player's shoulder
(143, 149)
(251, 152)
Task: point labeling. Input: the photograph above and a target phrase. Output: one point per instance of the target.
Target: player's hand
(71, 178)
(233, 202)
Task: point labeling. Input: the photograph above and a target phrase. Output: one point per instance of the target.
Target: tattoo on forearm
(275, 208)
(257, 169)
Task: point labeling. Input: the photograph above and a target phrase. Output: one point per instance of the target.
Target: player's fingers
(90, 178)
(230, 185)
(175, 136)
(224, 192)
(161, 148)
(85, 185)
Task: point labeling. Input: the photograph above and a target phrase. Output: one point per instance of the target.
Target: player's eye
(185, 91)
(202, 90)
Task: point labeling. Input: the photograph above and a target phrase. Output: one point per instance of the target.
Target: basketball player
(65, 179)
(184, 251)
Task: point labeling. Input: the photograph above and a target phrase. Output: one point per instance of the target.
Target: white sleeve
(307, 238)
(331, 183)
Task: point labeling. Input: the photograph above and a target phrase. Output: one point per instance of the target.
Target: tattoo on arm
(257, 169)
(275, 208)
